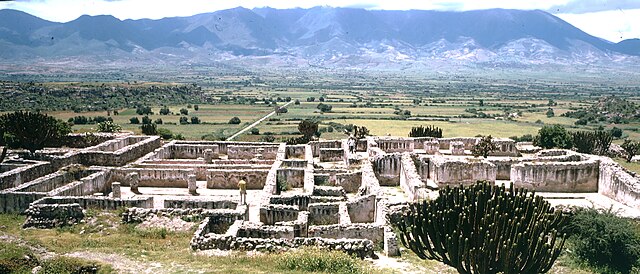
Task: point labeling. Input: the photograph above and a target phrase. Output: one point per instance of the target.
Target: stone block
(432, 147)
(191, 184)
(457, 148)
(115, 190)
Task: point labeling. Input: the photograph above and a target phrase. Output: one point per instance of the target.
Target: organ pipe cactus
(484, 228)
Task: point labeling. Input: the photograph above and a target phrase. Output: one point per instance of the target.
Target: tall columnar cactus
(430, 131)
(485, 228)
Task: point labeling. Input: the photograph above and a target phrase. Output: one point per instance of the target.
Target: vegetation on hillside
(80, 97)
(609, 109)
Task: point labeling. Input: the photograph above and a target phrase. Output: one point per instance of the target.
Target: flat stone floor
(394, 194)
(159, 194)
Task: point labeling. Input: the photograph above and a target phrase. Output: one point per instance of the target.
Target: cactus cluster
(430, 131)
(484, 228)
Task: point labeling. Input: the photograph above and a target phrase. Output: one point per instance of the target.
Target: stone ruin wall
(295, 152)
(362, 209)
(324, 213)
(387, 169)
(557, 176)
(97, 182)
(450, 171)
(349, 181)
(166, 177)
(228, 178)
(394, 145)
(59, 183)
(121, 156)
(190, 203)
(99, 202)
(293, 177)
(299, 200)
(332, 155)
(370, 183)
(191, 151)
(371, 232)
(410, 180)
(308, 214)
(317, 145)
(616, 183)
(469, 142)
(250, 152)
(18, 176)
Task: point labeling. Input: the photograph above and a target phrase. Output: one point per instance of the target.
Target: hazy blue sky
(613, 20)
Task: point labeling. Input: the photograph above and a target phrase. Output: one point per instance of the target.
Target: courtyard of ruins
(317, 194)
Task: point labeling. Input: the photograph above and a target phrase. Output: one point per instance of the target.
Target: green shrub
(315, 260)
(616, 132)
(165, 133)
(235, 121)
(553, 136)
(16, 259)
(108, 126)
(604, 240)
(149, 129)
(71, 265)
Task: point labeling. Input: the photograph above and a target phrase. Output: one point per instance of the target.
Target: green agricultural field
(214, 118)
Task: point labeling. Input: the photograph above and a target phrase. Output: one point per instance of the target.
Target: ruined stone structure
(318, 194)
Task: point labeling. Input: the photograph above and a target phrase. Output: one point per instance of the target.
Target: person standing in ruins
(242, 186)
(352, 144)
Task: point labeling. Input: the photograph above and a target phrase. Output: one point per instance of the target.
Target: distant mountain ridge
(316, 36)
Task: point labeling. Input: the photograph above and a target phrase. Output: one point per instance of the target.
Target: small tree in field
(616, 132)
(30, 130)
(360, 132)
(149, 129)
(234, 121)
(308, 128)
(553, 136)
(164, 110)
(550, 113)
(484, 147)
(631, 147)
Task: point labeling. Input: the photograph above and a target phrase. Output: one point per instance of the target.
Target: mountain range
(320, 36)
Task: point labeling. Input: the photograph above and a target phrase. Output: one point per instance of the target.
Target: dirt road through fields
(256, 123)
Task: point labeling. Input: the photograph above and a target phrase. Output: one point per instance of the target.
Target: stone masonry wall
(557, 176)
(228, 178)
(371, 232)
(456, 171)
(387, 169)
(362, 209)
(616, 183)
